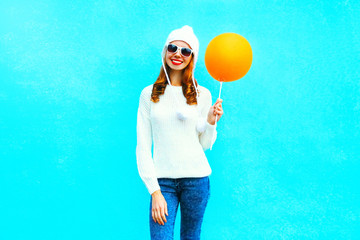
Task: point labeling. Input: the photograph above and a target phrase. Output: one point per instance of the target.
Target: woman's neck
(176, 77)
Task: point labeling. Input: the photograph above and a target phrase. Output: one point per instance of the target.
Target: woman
(175, 114)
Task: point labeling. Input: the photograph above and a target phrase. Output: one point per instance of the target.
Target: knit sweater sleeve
(210, 132)
(144, 159)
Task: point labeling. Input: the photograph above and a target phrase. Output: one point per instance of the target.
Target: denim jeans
(192, 194)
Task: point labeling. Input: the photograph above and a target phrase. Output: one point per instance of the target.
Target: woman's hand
(159, 208)
(216, 109)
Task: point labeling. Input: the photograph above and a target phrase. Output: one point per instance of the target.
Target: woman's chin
(176, 68)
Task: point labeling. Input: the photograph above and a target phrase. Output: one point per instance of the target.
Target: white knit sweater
(178, 147)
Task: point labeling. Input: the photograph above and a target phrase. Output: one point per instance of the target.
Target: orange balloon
(228, 57)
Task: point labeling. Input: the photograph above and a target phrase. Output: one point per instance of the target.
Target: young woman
(176, 114)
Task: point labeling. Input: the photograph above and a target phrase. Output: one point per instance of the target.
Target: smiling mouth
(176, 62)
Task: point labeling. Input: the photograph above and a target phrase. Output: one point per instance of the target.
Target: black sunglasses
(172, 48)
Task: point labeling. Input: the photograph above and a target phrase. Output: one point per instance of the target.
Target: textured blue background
(286, 161)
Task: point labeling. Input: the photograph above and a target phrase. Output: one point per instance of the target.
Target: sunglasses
(186, 52)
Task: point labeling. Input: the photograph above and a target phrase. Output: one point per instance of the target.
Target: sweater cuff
(153, 186)
(210, 127)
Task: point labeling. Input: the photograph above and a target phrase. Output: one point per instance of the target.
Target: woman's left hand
(216, 109)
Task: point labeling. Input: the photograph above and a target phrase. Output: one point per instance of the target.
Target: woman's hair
(187, 84)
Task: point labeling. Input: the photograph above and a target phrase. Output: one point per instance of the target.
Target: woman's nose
(177, 53)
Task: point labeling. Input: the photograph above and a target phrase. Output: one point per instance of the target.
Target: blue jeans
(192, 194)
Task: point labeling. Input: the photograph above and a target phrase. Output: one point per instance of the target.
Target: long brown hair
(187, 84)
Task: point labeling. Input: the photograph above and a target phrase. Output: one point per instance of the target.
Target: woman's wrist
(212, 122)
(156, 193)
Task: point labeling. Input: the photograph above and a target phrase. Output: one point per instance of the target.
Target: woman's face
(176, 61)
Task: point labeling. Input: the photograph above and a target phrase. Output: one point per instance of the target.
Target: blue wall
(286, 161)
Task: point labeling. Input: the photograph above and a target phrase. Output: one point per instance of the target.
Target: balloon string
(213, 136)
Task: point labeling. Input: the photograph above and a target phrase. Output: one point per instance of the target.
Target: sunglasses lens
(186, 52)
(172, 48)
